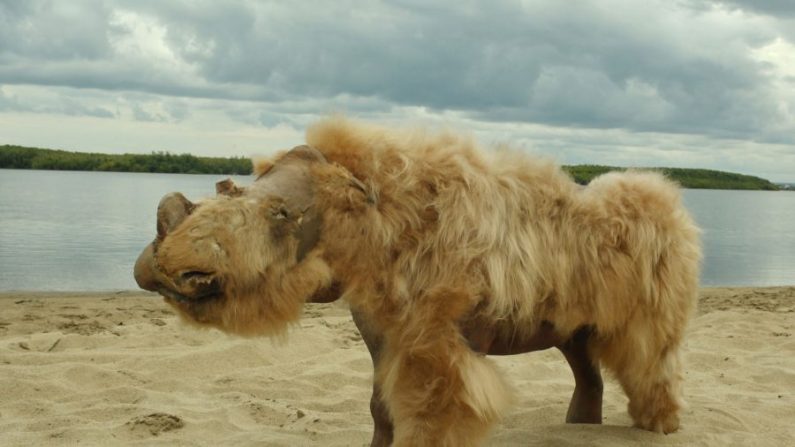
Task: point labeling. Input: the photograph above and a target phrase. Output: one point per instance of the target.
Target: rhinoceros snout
(144, 271)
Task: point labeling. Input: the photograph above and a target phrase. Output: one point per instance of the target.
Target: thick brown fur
(422, 229)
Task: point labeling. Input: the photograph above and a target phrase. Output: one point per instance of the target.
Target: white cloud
(779, 57)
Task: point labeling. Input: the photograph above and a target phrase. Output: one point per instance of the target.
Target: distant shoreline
(780, 187)
(689, 178)
(21, 157)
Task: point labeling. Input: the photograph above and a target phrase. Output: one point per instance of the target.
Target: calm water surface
(72, 231)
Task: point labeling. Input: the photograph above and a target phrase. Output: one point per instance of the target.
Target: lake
(75, 231)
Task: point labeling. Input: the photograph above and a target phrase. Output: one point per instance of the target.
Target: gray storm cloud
(710, 68)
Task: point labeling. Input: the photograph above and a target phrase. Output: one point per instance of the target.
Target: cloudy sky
(688, 83)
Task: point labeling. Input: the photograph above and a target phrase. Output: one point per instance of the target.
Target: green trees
(18, 157)
(688, 178)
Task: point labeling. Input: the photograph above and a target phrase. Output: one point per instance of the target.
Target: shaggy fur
(424, 230)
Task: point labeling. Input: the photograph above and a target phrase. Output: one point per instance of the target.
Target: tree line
(688, 178)
(20, 157)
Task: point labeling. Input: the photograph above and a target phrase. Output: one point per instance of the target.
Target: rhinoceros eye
(280, 213)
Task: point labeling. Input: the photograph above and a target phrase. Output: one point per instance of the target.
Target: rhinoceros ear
(305, 152)
(263, 166)
(171, 211)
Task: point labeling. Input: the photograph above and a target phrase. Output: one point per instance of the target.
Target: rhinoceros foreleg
(383, 430)
(586, 402)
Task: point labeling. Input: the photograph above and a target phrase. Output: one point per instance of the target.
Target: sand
(121, 369)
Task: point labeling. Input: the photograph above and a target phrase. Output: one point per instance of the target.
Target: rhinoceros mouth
(193, 287)
(195, 299)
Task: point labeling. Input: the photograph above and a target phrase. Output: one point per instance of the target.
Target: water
(749, 236)
(73, 231)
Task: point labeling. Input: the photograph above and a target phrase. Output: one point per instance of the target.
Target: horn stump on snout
(171, 211)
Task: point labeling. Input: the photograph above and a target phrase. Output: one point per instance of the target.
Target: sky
(680, 83)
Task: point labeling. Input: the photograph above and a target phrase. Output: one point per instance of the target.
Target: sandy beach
(121, 369)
